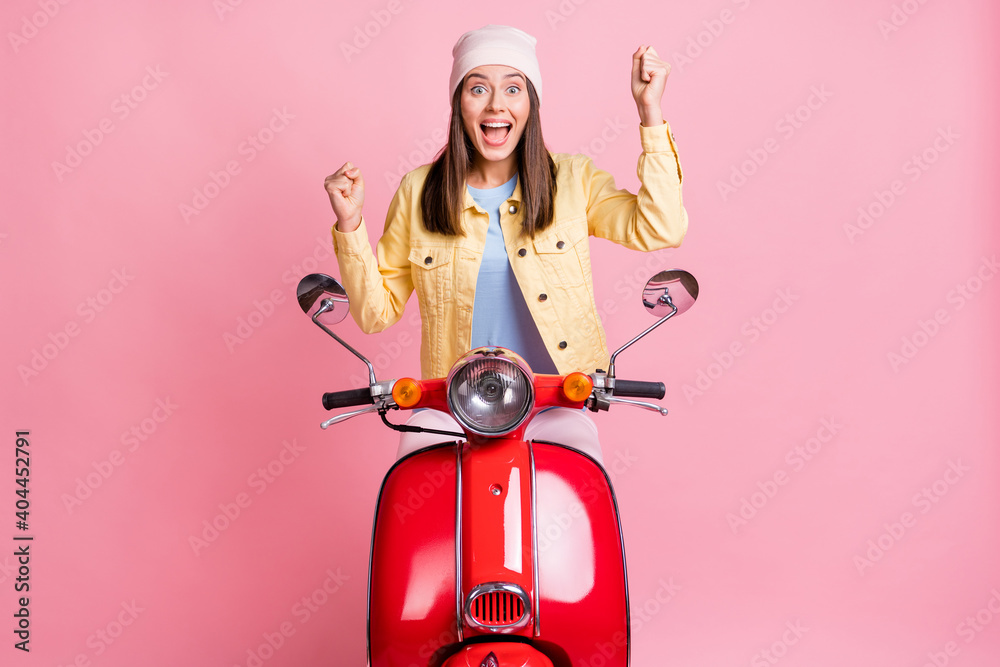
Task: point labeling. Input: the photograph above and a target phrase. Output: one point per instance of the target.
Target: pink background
(140, 310)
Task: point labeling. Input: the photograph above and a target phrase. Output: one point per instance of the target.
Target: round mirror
(666, 287)
(319, 293)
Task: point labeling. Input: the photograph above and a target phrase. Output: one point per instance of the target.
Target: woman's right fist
(346, 188)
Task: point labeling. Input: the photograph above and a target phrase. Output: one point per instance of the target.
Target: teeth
(497, 124)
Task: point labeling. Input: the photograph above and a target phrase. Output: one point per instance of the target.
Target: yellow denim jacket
(553, 269)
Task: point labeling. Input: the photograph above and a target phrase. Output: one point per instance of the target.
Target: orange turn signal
(406, 392)
(576, 387)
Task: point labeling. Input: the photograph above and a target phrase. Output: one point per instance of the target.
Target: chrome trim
(534, 541)
(507, 356)
(458, 541)
(496, 587)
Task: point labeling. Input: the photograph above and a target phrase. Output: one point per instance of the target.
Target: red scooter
(489, 550)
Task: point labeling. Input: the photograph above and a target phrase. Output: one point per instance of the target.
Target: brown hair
(444, 190)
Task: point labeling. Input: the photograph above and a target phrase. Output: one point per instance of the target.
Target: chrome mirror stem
(611, 367)
(328, 304)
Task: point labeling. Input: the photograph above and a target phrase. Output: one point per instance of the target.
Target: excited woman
(493, 235)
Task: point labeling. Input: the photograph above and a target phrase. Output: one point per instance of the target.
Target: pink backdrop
(825, 491)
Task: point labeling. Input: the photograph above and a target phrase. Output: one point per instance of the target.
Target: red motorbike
(489, 550)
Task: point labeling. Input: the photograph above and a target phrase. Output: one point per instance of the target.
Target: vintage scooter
(489, 550)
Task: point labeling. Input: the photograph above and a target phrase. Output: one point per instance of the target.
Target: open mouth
(495, 132)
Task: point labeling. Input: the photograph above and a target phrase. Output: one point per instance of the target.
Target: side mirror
(670, 287)
(668, 293)
(323, 299)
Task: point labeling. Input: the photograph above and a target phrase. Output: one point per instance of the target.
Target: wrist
(347, 225)
(650, 116)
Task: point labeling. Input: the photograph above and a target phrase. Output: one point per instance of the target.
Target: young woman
(493, 235)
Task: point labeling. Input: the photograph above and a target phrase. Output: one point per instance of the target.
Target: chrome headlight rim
(504, 356)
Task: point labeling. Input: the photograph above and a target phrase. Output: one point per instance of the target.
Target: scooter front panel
(582, 588)
(497, 568)
(412, 596)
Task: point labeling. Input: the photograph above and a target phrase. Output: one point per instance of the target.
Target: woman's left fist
(649, 77)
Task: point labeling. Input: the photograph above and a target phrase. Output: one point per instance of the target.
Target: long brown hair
(443, 195)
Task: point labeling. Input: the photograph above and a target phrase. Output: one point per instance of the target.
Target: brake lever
(639, 404)
(377, 407)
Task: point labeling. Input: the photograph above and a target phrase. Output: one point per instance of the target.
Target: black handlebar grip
(345, 399)
(636, 389)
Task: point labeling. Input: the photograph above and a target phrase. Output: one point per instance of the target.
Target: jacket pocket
(432, 268)
(564, 253)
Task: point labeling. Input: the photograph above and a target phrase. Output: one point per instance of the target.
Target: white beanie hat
(496, 45)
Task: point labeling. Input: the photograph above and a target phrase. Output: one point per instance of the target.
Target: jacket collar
(471, 203)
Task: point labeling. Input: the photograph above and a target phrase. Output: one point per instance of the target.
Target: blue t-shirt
(500, 317)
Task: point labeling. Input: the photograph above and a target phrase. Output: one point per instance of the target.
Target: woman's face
(495, 110)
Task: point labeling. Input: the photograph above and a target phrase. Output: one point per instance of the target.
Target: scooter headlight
(491, 391)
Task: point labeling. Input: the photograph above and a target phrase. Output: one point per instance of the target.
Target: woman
(493, 234)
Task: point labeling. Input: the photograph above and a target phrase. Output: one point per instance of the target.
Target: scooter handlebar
(347, 398)
(639, 389)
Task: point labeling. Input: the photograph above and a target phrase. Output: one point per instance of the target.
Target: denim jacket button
(428, 260)
(562, 345)
(561, 245)
(522, 252)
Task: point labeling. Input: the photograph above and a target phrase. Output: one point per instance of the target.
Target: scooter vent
(497, 608)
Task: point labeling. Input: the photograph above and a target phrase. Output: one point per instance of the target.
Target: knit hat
(496, 45)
